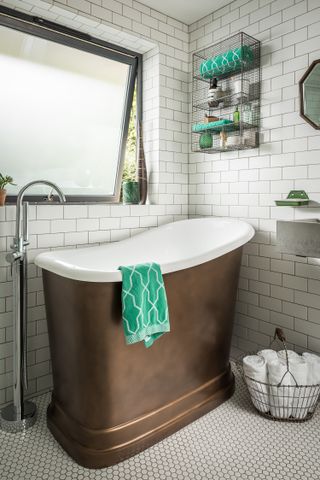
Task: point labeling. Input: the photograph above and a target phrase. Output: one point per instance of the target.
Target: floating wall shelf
(235, 63)
(295, 198)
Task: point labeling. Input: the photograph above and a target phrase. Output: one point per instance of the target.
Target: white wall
(164, 43)
(274, 290)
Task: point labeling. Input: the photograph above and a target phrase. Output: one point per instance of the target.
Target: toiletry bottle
(220, 96)
(236, 116)
(247, 114)
(212, 102)
(223, 140)
(205, 140)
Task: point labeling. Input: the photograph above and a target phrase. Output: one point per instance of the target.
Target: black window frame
(57, 33)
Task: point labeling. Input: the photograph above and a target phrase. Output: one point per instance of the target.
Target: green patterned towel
(218, 126)
(230, 61)
(144, 303)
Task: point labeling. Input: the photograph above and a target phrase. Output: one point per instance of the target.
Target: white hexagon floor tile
(231, 442)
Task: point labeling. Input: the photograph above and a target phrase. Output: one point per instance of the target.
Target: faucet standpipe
(21, 414)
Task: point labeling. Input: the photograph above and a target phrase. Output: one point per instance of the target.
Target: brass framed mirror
(309, 88)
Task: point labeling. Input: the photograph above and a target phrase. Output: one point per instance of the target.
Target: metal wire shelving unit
(240, 135)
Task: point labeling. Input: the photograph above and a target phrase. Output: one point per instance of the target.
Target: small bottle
(236, 116)
(205, 140)
(247, 114)
(212, 102)
(223, 140)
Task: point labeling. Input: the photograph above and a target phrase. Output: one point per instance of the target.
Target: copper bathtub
(111, 400)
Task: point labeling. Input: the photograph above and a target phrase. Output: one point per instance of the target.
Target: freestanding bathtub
(111, 400)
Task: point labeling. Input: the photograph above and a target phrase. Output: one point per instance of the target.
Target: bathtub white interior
(174, 246)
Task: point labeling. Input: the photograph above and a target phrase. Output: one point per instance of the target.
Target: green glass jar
(205, 140)
(130, 193)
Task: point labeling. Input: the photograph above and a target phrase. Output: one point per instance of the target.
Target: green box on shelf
(296, 198)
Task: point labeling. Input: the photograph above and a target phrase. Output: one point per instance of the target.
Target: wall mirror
(65, 102)
(309, 87)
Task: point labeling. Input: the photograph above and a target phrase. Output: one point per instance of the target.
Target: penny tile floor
(231, 442)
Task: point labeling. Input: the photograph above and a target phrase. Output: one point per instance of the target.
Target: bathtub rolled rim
(50, 260)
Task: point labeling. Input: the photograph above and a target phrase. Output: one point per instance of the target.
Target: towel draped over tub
(144, 303)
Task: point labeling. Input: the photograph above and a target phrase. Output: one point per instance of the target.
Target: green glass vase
(205, 140)
(130, 193)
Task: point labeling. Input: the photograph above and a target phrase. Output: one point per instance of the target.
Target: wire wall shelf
(226, 95)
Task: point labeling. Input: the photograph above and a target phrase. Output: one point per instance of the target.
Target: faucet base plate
(11, 424)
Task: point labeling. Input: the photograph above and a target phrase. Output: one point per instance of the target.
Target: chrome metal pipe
(18, 237)
(24, 272)
(21, 414)
(17, 321)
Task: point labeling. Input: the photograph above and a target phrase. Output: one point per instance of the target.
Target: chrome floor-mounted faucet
(21, 414)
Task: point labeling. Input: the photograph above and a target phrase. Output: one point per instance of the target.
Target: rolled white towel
(255, 367)
(280, 397)
(291, 354)
(313, 379)
(313, 362)
(268, 354)
(302, 399)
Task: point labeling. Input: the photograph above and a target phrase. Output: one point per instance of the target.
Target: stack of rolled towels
(281, 391)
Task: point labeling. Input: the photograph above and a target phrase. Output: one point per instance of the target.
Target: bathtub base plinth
(106, 447)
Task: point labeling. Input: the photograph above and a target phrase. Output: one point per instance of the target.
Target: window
(65, 103)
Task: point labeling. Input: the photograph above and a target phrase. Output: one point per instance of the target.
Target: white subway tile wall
(164, 44)
(274, 289)
(70, 225)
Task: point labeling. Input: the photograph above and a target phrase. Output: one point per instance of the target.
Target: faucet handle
(13, 256)
(50, 197)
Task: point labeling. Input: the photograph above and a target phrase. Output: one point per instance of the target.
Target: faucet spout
(18, 241)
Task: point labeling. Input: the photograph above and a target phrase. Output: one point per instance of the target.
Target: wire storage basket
(233, 64)
(284, 401)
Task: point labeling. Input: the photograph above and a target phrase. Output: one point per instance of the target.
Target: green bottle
(236, 116)
(205, 140)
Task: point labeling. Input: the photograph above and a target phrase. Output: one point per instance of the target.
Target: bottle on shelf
(236, 116)
(247, 114)
(223, 140)
(215, 94)
(205, 140)
(212, 93)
